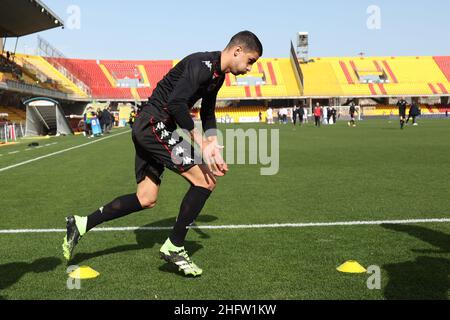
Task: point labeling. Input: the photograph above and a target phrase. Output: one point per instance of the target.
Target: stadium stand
(372, 77)
(320, 79)
(87, 70)
(90, 72)
(443, 108)
(123, 69)
(103, 76)
(276, 78)
(14, 114)
(269, 78)
(392, 110)
(240, 114)
(10, 70)
(417, 75)
(377, 76)
(444, 65)
(49, 74)
(154, 71)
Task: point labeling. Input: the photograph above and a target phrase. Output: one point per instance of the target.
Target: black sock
(192, 204)
(119, 207)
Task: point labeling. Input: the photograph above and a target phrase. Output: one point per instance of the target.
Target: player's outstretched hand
(213, 158)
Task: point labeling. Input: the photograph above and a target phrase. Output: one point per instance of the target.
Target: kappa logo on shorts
(179, 151)
(164, 134)
(172, 142)
(187, 160)
(160, 126)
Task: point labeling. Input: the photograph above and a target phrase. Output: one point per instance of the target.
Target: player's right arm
(210, 150)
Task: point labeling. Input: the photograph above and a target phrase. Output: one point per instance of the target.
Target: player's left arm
(211, 145)
(208, 115)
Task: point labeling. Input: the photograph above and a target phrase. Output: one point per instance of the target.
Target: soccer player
(294, 116)
(414, 112)
(401, 104)
(352, 112)
(199, 75)
(300, 114)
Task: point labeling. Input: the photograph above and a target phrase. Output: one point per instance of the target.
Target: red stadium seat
(90, 72)
(444, 65)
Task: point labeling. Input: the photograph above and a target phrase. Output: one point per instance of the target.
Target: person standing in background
(317, 114)
(106, 117)
(402, 104)
(334, 114)
(300, 113)
(269, 114)
(328, 115)
(305, 115)
(294, 115)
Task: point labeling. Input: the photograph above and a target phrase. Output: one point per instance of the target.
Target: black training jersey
(198, 76)
(402, 106)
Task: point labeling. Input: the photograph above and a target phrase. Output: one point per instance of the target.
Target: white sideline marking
(242, 226)
(59, 152)
(13, 152)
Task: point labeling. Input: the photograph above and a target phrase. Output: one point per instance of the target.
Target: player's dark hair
(248, 40)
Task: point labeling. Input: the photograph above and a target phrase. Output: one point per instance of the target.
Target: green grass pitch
(333, 174)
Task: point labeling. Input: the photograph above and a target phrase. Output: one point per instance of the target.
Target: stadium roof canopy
(23, 17)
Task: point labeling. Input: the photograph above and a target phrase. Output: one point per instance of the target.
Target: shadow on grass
(11, 273)
(146, 239)
(424, 278)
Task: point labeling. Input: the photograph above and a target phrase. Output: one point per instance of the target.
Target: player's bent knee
(147, 202)
(210, 185)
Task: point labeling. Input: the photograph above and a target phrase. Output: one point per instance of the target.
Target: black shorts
(158, 147)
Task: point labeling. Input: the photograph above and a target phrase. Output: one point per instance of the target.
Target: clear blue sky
(171, 29)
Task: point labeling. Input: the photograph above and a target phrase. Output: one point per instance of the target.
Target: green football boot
(179, 257)
(76, 228)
